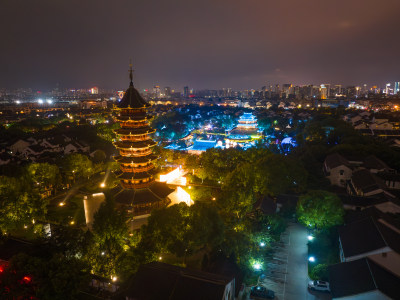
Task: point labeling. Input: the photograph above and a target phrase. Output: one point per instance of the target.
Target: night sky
(200, 43)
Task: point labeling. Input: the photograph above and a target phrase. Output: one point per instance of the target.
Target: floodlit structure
(246, 130)
(176, 176)
(91, 204)
(140, 193)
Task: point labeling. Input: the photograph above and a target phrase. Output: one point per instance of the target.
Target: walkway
(286, 271)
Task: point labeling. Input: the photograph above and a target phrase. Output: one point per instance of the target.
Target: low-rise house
(5, 158)
(382, 202)
(74, 147)
(363, 279)
(364, 183)
(381, 124)
(18, 146)
(33, 151)
(375, 165)
(161, 281)
(392, 180)
(337, 169)
(374, 237)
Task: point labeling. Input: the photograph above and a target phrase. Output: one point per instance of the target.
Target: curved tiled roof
(132, 99)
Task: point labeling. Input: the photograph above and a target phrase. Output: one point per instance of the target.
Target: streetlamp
(311, 259)
(310, 237)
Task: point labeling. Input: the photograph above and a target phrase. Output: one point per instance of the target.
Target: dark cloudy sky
(200, 43)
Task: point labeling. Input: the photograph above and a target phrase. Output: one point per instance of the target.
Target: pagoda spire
(130, 72)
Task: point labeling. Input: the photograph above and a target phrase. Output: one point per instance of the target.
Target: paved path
(287, 273)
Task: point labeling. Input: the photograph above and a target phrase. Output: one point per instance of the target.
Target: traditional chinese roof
(135, 131)
(135, 145)
(138, 117)
(135, 159)
(135, 175)
(156, 192)
(132, 98)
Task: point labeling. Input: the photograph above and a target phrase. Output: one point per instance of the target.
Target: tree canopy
(320, 209)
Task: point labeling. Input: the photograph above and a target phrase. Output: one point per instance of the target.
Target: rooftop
(362, 276)
(175, 283)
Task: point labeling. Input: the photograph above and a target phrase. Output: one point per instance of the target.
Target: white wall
(374, 295)
(335, 177)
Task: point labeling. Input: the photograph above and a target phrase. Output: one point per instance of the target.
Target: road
(286, 271)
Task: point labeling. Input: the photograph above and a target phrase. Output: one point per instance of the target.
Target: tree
(18, 206)
(77, 165)
(320, 209)
(238, 193)
(29, 277)
(109, 240)
(166, 229)
(276, 174)
(99, 156)
(43, 175)
(206, 227)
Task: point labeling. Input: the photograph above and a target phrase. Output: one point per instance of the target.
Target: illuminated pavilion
(247, 129)
(139, 192)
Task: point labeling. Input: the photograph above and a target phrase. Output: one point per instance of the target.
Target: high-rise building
(323, 91)
(396, 87)
(387, 89)
(167, 91)
(140, 193)
(286, 89)
(338, 89)
(186, 91)
(94, 90)
(157, 91)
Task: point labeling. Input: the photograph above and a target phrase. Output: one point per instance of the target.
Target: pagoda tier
(134, 143)
(135, 159)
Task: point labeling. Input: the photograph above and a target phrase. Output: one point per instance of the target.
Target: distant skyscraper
(387, 89)
(167, 91)
(277, 89)
(157, 91)
(396, 87)
(186, 91)
(94, 90)
(338, 89)
(323, 91)
(286, 88)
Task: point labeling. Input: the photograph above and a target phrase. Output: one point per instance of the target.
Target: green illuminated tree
(77, 165)
(276, 174)
(320, 209)
(43, 175)
(109, 240)
(238, 193)
(19, 207)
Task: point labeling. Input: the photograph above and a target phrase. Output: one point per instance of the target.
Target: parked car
(319, 285)
(260, 292)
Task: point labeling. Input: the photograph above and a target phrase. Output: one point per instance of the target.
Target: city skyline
(204, 44)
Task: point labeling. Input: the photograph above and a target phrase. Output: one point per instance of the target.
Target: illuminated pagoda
(139, 191)
(247, 128)
(247, 121)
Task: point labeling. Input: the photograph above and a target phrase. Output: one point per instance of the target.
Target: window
(341, 172)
